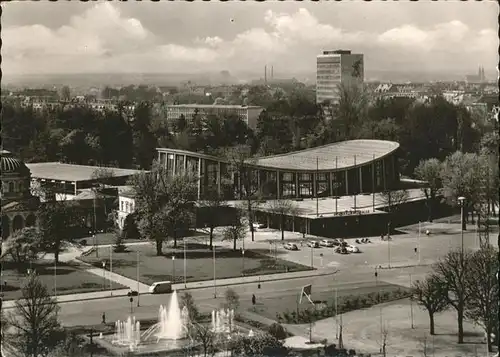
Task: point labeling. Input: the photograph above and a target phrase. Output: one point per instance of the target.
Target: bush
(188, 301)
(277, 331)
(286, 316)
(351, 352)
(83, 242)
(119, 247)
(232, 299)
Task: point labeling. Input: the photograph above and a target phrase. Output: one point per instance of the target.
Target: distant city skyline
(169, 37)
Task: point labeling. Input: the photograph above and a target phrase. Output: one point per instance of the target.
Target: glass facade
(287, 183)
(305, 185)
(179, 163)
(322, 184)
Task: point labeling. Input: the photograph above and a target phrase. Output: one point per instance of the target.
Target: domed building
(18, 204)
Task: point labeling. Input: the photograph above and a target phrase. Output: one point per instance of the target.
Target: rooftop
(70, 172)
(218, 106)
(339, 155)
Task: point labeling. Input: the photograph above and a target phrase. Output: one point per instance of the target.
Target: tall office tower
(334, 68)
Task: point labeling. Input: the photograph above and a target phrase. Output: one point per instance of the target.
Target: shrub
(188, 301)
(278, 317)
(293, 316)
(355, 302)
(363, 302)
(286, 316)
(351, 352)
(277, 331)
(232, 299)
(83, 242)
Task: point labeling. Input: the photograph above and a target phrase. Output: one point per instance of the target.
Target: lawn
(287, 302)
(71, 279)
(199, 263)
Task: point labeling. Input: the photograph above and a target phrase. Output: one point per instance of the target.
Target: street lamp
(185, 263)
(103, 275)
(312, 256)
(173, 268)
(215, 284)
(243, 262)
(389, 244)
(461, 202)
(138, 291)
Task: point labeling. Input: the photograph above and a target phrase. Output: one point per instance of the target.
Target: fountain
(223, 321)
(127, 333)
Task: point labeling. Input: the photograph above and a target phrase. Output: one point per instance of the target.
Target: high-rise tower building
(334, 68)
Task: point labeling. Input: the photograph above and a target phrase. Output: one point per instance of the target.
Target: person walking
(104, 318)
(254, 299)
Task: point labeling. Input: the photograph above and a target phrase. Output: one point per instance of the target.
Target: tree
(56, 220)
(430, 172)
(461, 176)
(36, 328)
(240, 165)
(431, 295)
(119, 247)
(100, 176)
(22, 246)
(232, 299)
(236, 231)
(451, 271)
(283, 208)
(188, 302)
(65, 94)
(261, 344)
(130, 230)
(392, 199)
(206, 337)
(211, 206)
(352, 106)
(163, 204)
(482, 290)
(277, 331)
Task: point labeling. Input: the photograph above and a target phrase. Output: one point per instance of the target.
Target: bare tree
(424, 342)
(452, 273)
(36, 328)
(283, 208)
(430, 294)
(393, 199)
(482, 290)
(206, 337)
(236, 231)
(240, 165)
(232, 299)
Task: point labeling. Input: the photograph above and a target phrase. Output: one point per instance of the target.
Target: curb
(256, 280)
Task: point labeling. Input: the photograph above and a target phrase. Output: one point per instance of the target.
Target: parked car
(335, 241)
(341, 250)
(161, 287)
(291, 246)
(313, 244)
(352, 249)
(327, 243)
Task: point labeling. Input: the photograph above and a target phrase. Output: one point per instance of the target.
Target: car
(161, 287)
(133, 293)
(341, 250)
(335, 241)
(291, 246)
(258, 225)
(352, 249)
(313, 244)
(327, 243)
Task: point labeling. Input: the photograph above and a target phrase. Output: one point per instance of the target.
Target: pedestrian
(382, 236)
(254, 300)
(104, 318)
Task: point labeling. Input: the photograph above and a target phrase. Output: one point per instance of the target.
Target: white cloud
(102, 38)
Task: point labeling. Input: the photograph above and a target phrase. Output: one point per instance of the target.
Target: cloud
(103, 39)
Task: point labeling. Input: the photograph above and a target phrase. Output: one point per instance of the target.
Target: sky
(166, 37)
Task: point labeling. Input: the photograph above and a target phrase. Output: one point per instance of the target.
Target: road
(90, 311)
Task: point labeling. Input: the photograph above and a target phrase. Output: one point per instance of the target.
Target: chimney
(272, 70)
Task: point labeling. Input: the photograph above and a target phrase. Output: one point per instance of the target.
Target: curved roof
(11, 165)
(341, 155)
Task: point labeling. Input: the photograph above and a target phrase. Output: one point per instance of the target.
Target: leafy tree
(452, 273)
(204, 335)
(461, 176)
(431, 295)
(119, 247)
(188, 301)
(36, 328)
(56, 221)
(65, 94)
(261, 344)
(277, 331)
(283, 208)
(143, 139)
(236, 231)
(130, 230)
(430, 172)
(352, 107)
(22, 246)
(482, 290)
(232, 299)
(163, 204)
(392, 199)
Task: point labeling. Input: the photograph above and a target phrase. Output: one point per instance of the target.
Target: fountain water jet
(222, 321)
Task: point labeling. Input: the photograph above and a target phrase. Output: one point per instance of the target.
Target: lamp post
(215, 283)
(138, 291)
(418, 243)
(185, 263)
(243, 262)
(411, 306)
(389, 244)
(461, 202)
(103, 275)
(173, 268)
(110, 270)
(312, 256)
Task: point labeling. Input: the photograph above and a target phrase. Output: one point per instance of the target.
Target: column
(185, 164)
(315, 185)
(297, 190)
(278, 193)
(346, 182)
(74, 183)
(218, 177)
(360, 181)
(383, 174)
(174, 169)
(199, 178)
(331, 175)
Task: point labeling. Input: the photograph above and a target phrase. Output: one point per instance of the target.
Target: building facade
(335, 68)
(248, 114)
(340, 169)
(126, 204)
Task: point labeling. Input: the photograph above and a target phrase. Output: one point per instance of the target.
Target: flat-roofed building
(248, 114)
(335, 68)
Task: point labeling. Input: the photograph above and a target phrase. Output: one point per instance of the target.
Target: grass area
(199, 263)
(71, 279)
(103, 239)
(288, 302)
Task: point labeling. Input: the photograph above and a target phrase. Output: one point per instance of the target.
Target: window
(11, 187)
(126, 206)
(305, 189)
(122, 205)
